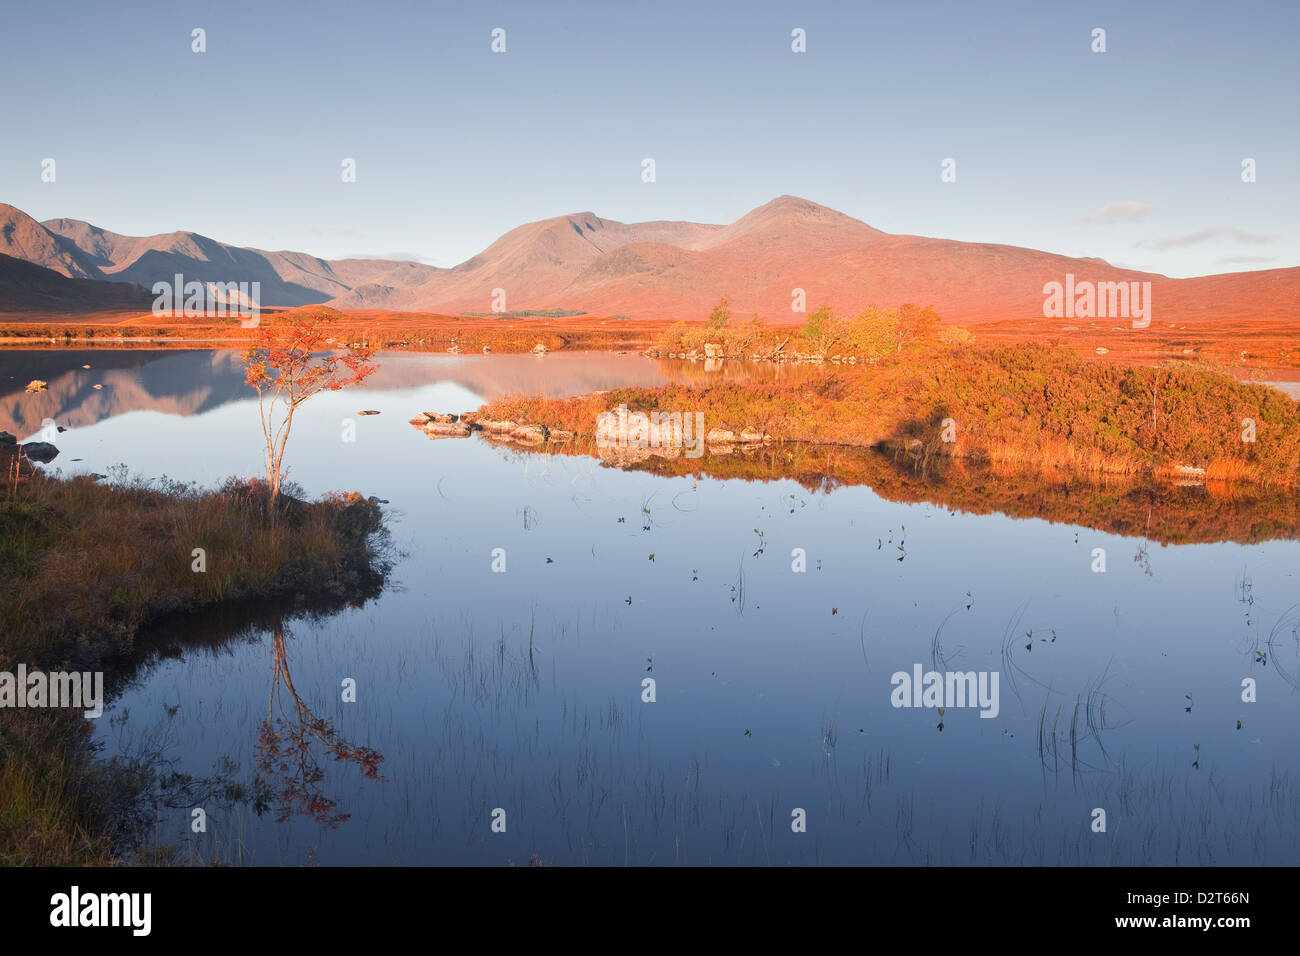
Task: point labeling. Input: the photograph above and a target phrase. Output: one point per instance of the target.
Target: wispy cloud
(1128, 211)
(1247, 260)
(1218, 232)
(395, 256)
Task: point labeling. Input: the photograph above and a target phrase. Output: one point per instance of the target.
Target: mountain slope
(287, 278)
(24, 238)
(680, 270)
(28, 288)
(659, 270)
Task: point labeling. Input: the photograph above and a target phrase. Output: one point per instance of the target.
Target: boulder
(446, 430)
(721, 436)
(36, 385)
(540, 348)
(712, 350)
(41, 451)
(368, 411)
(560, 434)
(531, 433)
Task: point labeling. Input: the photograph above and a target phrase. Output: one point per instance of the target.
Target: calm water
(522, 690)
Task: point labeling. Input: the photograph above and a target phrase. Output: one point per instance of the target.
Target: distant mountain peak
(788, 250)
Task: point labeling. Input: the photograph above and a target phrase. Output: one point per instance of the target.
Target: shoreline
(161, 556)
(1249, 349)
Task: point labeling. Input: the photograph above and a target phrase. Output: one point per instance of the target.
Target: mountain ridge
(659, 269)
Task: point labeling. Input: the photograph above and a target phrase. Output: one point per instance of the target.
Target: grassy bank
(84, 566)
(1041, 409)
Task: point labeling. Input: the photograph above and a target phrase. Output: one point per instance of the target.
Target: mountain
(77, 249)
(22, 237)
(534, 263)
(659, 270)
(680, 270)
(287, 278)
(28, 288)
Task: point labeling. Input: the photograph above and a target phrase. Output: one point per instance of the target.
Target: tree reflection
(293, 743)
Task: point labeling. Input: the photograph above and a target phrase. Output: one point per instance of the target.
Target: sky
(1133, 155)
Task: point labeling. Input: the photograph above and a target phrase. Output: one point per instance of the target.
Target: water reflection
(85, 386)
(288, 742)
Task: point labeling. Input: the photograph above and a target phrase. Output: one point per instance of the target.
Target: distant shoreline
(1248, 350)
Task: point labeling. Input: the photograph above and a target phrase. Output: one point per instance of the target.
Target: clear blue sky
(455, 145)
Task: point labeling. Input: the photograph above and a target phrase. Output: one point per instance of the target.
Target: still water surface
(523, 690)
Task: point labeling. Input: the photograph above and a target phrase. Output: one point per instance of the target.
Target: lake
(502, 673)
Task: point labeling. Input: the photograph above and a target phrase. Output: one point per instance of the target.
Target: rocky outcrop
(442, 425)
(446, 430)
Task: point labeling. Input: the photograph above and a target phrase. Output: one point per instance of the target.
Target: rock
(531, 433)
(455, 350)
(540, 348)
(36, 385)
(712, 350)
(7, 440)
(721, 436)
(446, 430)
(1102, 350)
(487, 349)
(97, 386)
(560, 434)
(421, 419)
(41, 451)
(750, 435)
(441, 417)
(502, 427)
(368, 411)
